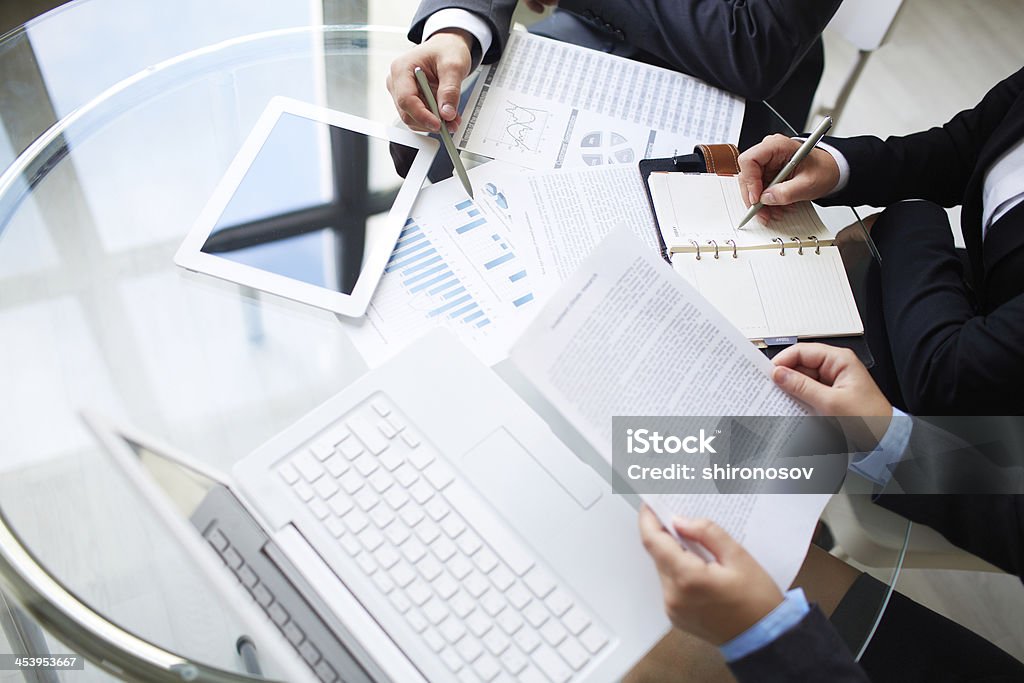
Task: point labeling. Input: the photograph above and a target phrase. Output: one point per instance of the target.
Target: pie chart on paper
(600, 148)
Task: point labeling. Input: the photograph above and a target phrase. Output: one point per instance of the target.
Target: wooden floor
(942, 57)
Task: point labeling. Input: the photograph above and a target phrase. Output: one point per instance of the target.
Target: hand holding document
(626, 336)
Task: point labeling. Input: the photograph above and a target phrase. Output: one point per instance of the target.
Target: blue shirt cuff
(877, 466)
(788, 614)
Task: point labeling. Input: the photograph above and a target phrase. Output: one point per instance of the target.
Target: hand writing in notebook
(815, 177)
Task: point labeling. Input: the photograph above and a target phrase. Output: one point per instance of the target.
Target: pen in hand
(446, 137)
(815, 137)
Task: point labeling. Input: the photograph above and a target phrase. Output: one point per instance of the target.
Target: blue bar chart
(454, 265)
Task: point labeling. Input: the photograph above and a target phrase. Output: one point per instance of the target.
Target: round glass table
(119, 119)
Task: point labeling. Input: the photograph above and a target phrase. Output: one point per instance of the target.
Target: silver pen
(801, 154)
(446, 137)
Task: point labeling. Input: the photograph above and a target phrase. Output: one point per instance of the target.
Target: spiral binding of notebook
(759, 276)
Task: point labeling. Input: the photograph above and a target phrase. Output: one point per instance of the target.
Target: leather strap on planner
(720, 159)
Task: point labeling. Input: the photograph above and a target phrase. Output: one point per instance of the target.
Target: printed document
(562, 215)
(548, 104)
(625, 335)
(455, 265)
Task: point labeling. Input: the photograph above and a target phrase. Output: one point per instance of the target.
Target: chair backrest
(865, 23)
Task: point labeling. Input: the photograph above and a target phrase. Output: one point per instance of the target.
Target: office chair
(866, 24)
(873, 536)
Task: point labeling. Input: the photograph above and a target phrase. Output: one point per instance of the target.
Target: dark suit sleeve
(981, 511)
(810, 651)
(497, 14)
(934, 164)
(748, 47)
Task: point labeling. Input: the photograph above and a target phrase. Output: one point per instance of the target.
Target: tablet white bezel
(191, 257)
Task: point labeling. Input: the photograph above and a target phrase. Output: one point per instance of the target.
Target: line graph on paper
(519, 128)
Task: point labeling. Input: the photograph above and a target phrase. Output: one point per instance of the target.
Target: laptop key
(439, 474)
(322, 450)
(576, 620)
(277, 614)
(340, 504)
(510, 621)
(293, 633)
(325, 487)
(309, 653)
(573, 653)
(558, 602)
(461, 604)
(262, 595)
(232, 558)
(403, 574)
(486, 667)
(319, 509)
(539, 582)
(496, 642)
(551, 664)
(288, 473)
(336, 465)
(593, 639)
(513, 661)
(308, 466)
(335, 526)
(304, 491)
(420, 458)
(451, 659)
(247, 576)
(443, 549)
(435, 641)
(350, 448)
(371, 438)
(325, 672)
(531, 675)
(386, 429)
(469, 649)
(553, 632)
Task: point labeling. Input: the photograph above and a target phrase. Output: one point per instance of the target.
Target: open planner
(783, 280)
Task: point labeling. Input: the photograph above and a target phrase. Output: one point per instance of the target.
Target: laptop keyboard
(438, 554)
(277, 613)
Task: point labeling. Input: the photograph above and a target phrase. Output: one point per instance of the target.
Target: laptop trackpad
(515, 483)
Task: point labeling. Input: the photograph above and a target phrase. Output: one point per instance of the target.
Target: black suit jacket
(972, 352)
(748, 47)
(989, 526)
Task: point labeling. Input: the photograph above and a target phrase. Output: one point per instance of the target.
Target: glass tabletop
(119, 120)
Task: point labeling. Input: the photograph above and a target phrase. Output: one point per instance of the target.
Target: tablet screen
(307, 207)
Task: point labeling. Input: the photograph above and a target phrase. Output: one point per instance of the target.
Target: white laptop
(440, 531)
(311, 207)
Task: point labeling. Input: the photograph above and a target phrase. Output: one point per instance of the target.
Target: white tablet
(310, 208)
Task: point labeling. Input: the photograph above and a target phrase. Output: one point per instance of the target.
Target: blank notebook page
(766, 294)
(704, 207)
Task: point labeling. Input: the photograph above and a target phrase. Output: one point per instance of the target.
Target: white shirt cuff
(453, 17)
(841, 162)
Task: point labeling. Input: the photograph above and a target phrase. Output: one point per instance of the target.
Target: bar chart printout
(454, 266)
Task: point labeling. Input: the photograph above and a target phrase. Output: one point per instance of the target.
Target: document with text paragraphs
(626, 336)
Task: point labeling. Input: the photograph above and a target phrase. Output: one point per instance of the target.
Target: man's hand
(539, 6)
(445, 58)
(833, 381)
(815, 177)
(715, 601)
